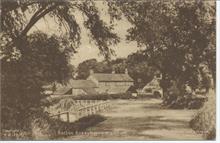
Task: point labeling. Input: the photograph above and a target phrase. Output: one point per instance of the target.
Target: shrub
(205, 120)
(42, 127)
(181, 99)
(146, 95)
(60, 128)
(93, 97)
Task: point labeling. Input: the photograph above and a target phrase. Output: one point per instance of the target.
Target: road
(141, 120)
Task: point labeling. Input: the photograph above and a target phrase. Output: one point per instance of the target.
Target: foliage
(19, 16)
(45, 128)
(42, 62)
(56, 128)
(178, 37)
(103, 96)
(137, 68)
(30, 60)
(92, 64)
(204, 121)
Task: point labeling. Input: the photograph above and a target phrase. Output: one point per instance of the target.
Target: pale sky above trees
(87, 49)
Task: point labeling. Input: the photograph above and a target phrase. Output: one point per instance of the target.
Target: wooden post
(68, 117)
(90, 111)
(97, 107)
(86, 113)
(93, 110)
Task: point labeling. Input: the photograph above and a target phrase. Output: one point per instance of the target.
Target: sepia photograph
(108, 70)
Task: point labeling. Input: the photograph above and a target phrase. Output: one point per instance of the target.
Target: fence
(92, 107)
(86, 102)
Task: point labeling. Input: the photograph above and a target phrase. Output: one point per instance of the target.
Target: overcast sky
(88, 50)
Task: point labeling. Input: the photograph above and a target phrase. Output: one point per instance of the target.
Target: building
(111, 83)
(153, 87)
(75, 87)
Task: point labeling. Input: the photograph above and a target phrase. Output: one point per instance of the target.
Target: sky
(88, 50)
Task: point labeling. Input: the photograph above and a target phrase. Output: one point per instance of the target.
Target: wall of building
(78, 92)
(93, 79)
(113, 87)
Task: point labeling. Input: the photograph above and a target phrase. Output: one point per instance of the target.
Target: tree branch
(35, 18)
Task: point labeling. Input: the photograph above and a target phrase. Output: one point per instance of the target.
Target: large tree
(43, 62)
(31, 60)
(178, 37)
(86, 66)
(140, 69)
(19, 16)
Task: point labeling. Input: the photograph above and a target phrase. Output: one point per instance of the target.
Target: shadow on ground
(142, 120)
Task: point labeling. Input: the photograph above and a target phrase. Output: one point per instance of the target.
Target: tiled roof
(81, 84)
(112, 77)
(76, 84)
(62, 90)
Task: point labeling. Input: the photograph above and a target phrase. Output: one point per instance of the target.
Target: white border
(217, 98)
(217, 69)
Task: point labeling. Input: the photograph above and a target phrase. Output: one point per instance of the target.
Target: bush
(42, 127)
(182, 100)
(54, 128)
(147, 95)
(93, 97)
(204, 121)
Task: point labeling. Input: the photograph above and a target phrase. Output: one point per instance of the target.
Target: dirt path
(141, 120)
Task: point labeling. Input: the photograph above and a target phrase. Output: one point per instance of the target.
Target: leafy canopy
(178, 36)
(19, 16)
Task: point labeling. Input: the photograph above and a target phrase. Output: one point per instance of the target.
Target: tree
(43, 62)
(118, 65)
(86, 66)
(176, 36)
(29, 61)
(16, 25)
(137, 66)
(139, 69)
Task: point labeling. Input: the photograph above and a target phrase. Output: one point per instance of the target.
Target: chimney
(126, 71)
(91, 72)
